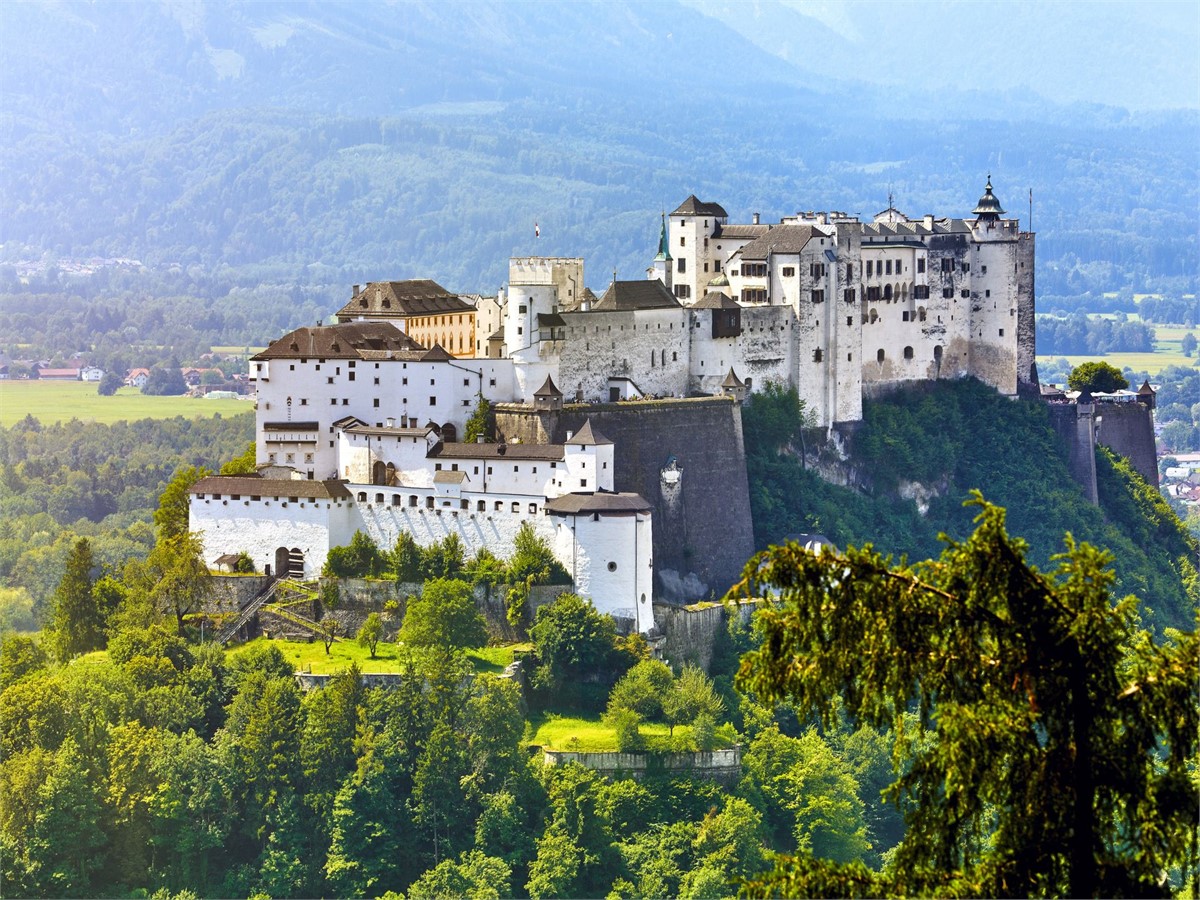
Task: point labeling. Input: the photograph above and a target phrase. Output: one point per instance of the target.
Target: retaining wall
(715, 765)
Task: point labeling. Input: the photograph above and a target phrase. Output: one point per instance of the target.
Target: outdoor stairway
(227, 633)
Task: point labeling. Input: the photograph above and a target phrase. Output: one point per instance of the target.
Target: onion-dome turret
(988, 209)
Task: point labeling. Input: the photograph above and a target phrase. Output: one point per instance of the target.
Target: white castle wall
(648, 346)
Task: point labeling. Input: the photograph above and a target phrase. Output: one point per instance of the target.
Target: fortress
(358, 423)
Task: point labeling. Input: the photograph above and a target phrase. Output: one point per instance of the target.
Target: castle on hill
(358, 423)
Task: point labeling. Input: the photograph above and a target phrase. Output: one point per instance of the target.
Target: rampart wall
(1074, 425)
(694, 556)
(724, 766)
(1128, 430)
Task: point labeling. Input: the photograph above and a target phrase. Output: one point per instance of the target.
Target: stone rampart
(724, 766)
(686, 457)
(1127, 429)
(690, 633)
(1074, 425)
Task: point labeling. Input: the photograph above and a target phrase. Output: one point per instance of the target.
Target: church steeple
(988, 209)
(660, 268)
(664, 249)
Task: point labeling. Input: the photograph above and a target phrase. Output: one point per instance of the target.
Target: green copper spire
(664, 251)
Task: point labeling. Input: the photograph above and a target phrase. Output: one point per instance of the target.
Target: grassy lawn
(311, 657)
(61, 401)
(590, 735)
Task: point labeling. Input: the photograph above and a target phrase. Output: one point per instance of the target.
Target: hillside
(305, 144)
(941, 441)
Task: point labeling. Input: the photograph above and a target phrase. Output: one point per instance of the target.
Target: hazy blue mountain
(325, 143)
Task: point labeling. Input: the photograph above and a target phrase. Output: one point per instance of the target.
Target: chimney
(355, 294)
(929, 222)
(756, 218)
(570, 434)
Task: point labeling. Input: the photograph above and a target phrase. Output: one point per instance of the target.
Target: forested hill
(327, 143)
(942, 440)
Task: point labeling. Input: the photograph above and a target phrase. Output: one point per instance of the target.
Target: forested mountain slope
(328, 143)
(941, 441)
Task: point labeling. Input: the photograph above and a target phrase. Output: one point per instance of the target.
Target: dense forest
(946, 439)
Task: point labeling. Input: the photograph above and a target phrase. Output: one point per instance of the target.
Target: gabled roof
(402, 299)
(627, 295)
(348, 340)
(587, 436)
(780, 239)
(693, 207)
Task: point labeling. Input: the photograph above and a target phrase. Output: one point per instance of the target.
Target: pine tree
(78, 624)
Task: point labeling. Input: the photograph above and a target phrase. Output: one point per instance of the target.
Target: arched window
(887, 293)
(908, 352)
(879, 357)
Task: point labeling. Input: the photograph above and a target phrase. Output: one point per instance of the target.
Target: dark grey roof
(587, 436)
(402, 299)
(693, 207)
(291, 426)
(716, 300)
(550, 320)
(347, 340)
(252, 485)
(396, 431)
(732, 381)
(347, 421)
(496, 451)
(740, 232)
(988, 205)
(602, 503)
(643, 294)
(548, 389)
(780, 239)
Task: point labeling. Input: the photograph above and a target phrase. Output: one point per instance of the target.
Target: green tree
(110, 383)
(642, 689)
(533, 559)
(1096, 377)
(171, 517)
(78, 625)
(20, 655)
(693, 695)
(572, 640)
(405, 558)
(472, 875)
(1188, 344)
(445, 616)
(443, 559)
(329, 631)
(359, 559)
(371, 633)
(775, 418)
(1063, 732)
(246, 464)
(479, 425)
(165, 381)
(181, 579)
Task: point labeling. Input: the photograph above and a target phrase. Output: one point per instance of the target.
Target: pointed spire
(588, 436)
(664, 249)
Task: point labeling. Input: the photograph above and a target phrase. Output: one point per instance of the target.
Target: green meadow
(62, 401)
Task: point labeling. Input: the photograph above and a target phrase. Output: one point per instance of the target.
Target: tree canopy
(1053, 738)
(1096, 376)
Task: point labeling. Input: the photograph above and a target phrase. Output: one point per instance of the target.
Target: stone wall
(230, 593)
(1073, 423)
(690, 633)
(716, 765)
(1128, 430)
(693, 559)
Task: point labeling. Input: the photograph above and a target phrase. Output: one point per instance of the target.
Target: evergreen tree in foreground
(1056, 738)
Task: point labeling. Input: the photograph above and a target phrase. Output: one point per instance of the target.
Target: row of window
(431, 503)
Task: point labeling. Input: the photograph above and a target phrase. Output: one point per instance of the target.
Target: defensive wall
(724, 766)
(1127, 429)
(691, 633)
(686, 458)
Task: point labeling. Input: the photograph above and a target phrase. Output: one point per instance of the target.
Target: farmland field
(61, 401)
